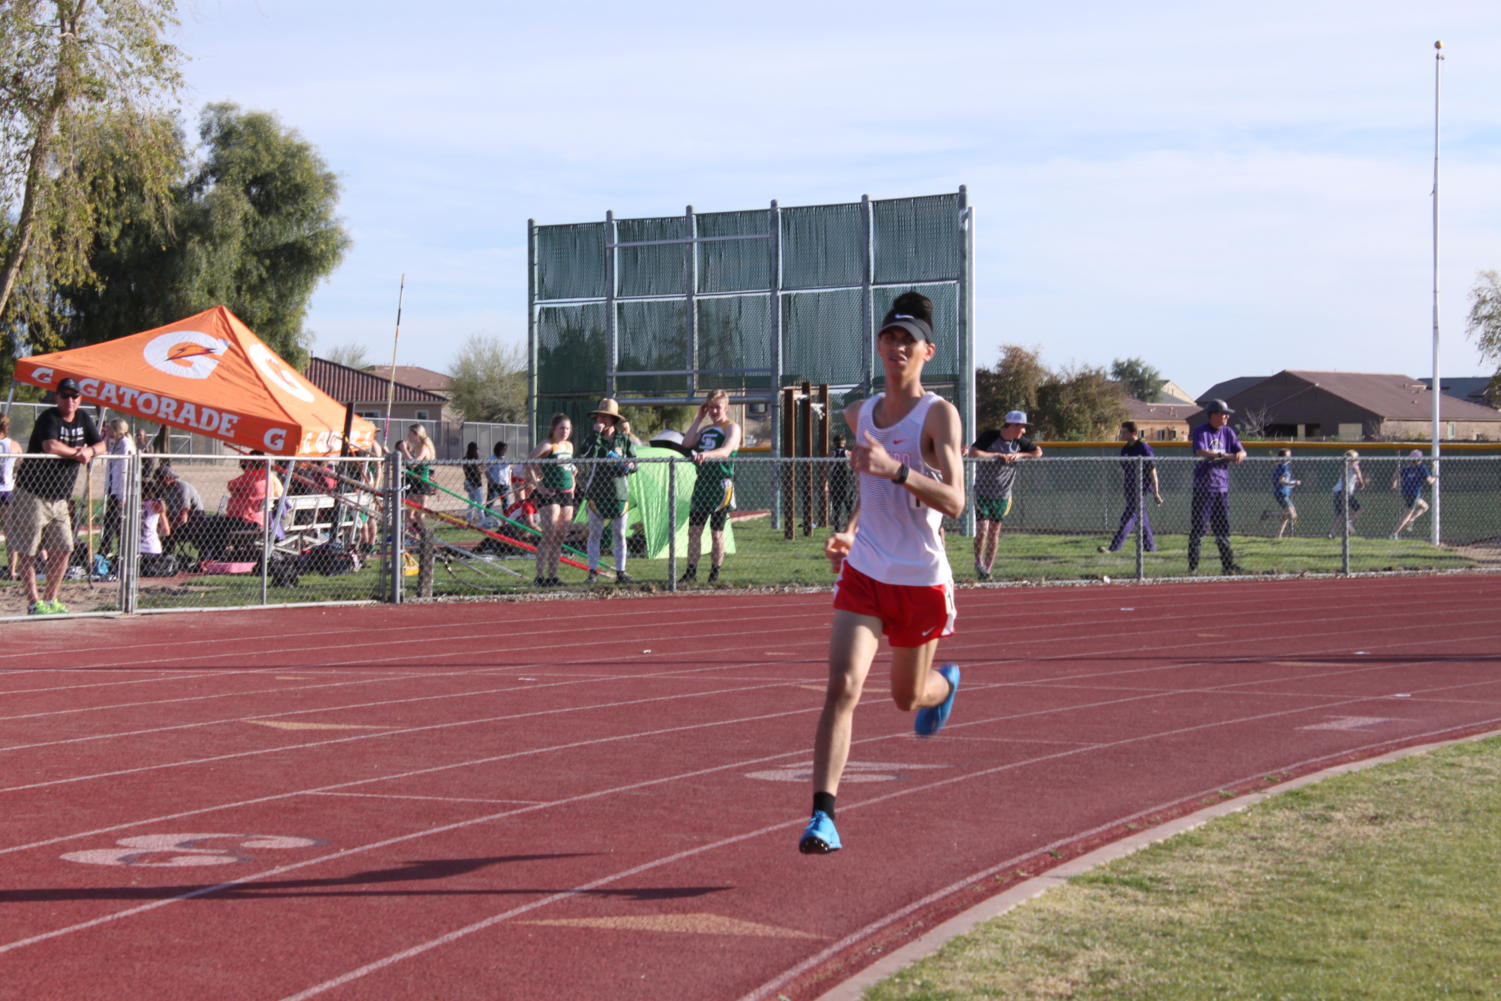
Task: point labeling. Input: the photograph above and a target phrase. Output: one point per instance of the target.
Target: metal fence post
(672, 524)
(127, 561)
(1345, 492)
(394, 518)
(1141, 520)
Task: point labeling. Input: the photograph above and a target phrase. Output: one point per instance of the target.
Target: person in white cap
(994, 482)
(606, 483)
(894, 575)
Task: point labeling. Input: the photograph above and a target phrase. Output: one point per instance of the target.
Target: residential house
(1349, 406)
(368, 393)
(1467, 387)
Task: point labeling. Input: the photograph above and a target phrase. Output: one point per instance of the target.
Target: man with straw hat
(607, 448)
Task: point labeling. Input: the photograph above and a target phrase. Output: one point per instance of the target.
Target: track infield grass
(1379, 885)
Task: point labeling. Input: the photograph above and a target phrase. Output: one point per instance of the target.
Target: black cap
(1218, 407)
(919, 328)
(68, 387)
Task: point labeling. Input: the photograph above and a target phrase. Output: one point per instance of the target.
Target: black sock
(824, 801)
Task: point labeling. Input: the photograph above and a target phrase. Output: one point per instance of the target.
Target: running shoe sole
(930, 720)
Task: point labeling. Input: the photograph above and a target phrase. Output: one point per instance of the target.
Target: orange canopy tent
(208, 374)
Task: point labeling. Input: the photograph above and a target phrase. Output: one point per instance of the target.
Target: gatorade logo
(187, 354)
(277, 371)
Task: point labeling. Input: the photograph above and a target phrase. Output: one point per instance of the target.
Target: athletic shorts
(1412, 502)
(992, 508)
(1284, 501)
(543, 496)
(33, 523)
(713, 500)
(911, 615)
(1339, 504)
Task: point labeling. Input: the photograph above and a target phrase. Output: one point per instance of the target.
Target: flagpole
(1438, 486)
(391, 383)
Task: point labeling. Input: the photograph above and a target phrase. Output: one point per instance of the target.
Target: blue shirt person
(1411, 480)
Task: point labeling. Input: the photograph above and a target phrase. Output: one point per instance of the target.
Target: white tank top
(899, 539)
(7, 467)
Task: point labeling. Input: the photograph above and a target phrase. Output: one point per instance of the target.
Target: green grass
(764, 557)
(1379, 885)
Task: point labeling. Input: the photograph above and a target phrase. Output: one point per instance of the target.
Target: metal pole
(774, 305)
(1434, 526)
(690, 302)
(612, 295)
(531, 331)
(672, 524)
(1346, 496)
(967, 333)
(395, 340)
(1141, 520)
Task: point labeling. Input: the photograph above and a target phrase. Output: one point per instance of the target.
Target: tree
(1484, 324)
(250, 224)
(1141, 380)
(489, 381)
(256, 227)
(1011, 384)
(67, 67)
(349, 355)
(647, 420)
(1079, 404)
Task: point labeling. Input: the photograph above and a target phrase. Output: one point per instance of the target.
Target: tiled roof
(1394, 396)
(414, 375)
(350, 385)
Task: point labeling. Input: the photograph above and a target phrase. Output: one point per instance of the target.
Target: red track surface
(578, 800)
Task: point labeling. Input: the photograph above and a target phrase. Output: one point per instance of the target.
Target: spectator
(1350, 479)
(1136, 455)
(38, 516)
(417, 453)
(474, 485)
(552, 476)
(119, 446)
(9, 449)
(607, 487)
(156, 526)
(183, 504)
(498, 480)
(994, 481)
(1217, 446)
(1282, 491)
(715, 440)
(1410, 480)
(841, 486)
(250, 494)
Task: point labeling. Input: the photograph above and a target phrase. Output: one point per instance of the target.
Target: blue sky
(1220, 190)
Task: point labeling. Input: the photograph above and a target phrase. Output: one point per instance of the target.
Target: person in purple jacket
(1216, 445)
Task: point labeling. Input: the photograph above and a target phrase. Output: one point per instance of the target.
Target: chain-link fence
(183, 531)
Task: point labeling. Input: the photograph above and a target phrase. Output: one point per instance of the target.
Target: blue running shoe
(930, 720)
(819, 837)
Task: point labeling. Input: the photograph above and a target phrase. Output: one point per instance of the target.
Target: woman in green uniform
(714, 439)
(551, 476)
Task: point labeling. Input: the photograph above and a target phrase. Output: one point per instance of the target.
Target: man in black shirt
(63, 439)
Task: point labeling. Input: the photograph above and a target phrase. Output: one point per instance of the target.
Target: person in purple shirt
(1216, 445)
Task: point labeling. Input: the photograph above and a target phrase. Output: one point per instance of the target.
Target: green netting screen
(747, 301)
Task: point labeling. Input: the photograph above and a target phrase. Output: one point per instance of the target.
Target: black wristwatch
(901, 475)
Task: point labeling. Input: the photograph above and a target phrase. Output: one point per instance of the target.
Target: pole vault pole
(395, 340)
